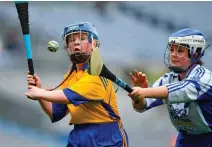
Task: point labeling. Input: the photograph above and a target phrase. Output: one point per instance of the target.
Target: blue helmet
(80, 27)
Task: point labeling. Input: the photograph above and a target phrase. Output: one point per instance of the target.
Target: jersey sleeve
(59, 111)
(150, 102)
(87, 89)
(191, 89)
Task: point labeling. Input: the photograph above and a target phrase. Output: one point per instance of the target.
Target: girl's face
(179, 56)
(78, 42)
(79, 47)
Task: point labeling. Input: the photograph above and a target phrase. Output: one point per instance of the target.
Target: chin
(176, 65)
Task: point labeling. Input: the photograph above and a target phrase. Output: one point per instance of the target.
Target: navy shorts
(188, 140)
(98, 135)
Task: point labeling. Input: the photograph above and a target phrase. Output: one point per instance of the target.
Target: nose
(174, 53)
(77, 42)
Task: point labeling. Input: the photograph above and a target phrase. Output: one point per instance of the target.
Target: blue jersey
(189, 101)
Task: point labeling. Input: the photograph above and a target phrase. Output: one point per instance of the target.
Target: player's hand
(34, 92)
(139, 79)
(33, 80)
(137, 94)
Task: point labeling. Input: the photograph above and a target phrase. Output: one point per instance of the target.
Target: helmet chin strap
(208, 46)
(179, 70)
(205, 49)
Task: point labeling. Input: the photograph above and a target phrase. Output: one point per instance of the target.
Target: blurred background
(133, 36)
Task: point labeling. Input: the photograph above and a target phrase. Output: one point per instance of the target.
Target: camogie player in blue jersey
(187, 89)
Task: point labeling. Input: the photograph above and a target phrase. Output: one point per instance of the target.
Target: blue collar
(85, 66)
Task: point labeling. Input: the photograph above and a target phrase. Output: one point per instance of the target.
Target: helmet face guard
(173, 58)
(78, 48)
(186, 39)
(78, 41)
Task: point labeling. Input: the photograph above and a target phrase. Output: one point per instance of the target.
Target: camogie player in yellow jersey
(90, 100)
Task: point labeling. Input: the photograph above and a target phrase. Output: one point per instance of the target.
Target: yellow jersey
(92, 99)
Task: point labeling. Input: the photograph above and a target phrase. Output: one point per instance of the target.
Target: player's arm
(190, 90)
(53, 110)
(45, 105)
(87, 89)
(66, 96)
(58, 110)
(53, 103)
(56, 96)
(148, 103)
(181, 92)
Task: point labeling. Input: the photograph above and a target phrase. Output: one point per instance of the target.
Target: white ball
(53, 46)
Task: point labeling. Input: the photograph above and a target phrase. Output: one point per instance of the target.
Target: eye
(181, 49)
(84, 37)
(71, 39)
(171, 49)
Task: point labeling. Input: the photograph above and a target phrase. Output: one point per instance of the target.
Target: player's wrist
(44, 94)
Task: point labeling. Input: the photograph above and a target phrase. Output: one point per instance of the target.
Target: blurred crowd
(11, 48)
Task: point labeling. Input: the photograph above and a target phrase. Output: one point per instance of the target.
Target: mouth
(77, 50)
(175, 62)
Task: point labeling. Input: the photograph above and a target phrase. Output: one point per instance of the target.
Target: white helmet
(190, 38)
